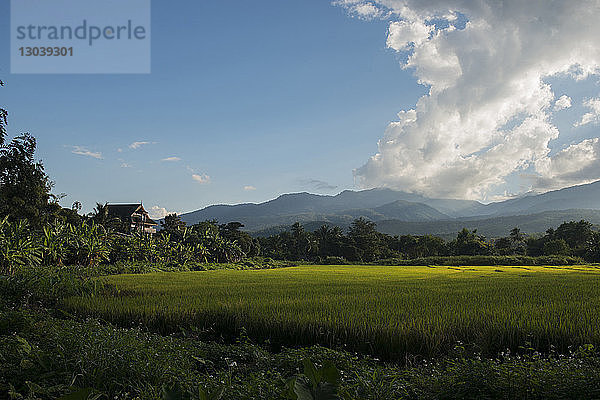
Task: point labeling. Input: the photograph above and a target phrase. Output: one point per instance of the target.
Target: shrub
(331, 260)
(485, 260)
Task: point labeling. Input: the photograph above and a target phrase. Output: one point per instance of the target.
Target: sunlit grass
(388, 311)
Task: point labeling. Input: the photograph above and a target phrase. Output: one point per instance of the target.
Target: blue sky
(272, 95)
(249, 100)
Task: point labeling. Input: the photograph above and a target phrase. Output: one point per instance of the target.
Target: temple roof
(127, 210)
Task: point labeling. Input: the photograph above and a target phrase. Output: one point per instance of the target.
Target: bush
(46, 285)
(331, 260)
(485, 260)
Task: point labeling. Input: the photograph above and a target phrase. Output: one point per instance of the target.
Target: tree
(407, 245)
(558, 247)
(365, 238)
(516, 236)
(100, 213)
(329, 241)
(3, 122)
(24, 186)
(172, 223)
(593, 250)
(231, 231)
(468, 243)
(303, 244)
(431, 246)
(577, 235)
(514, 243)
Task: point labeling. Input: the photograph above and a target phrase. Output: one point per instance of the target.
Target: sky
(247, 100)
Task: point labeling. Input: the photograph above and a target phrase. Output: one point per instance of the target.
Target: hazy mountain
(389, 205)
(489, 227)
(407, 211)
(581, 197)
(376, 204)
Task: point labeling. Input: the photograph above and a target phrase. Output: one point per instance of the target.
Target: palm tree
(100, 214)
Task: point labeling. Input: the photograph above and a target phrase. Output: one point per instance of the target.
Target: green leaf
(202, 395)
(12, 392)
(81, 394)
(205, 395)
(311, 372)
(330, 373)
(326, 391)
(302, 390)
(173, 393)
(24, 345)
(289, 389)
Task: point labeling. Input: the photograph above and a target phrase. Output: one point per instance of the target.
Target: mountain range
(398, 212)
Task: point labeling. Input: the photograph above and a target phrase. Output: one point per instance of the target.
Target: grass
(391, 312)
(42, 357)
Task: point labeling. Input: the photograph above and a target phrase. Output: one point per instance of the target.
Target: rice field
(390, 312)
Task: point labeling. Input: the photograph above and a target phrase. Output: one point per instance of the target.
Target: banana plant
(88, 243)
(55, 243)
(18, 247)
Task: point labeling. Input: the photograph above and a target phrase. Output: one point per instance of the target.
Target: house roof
(126, 210)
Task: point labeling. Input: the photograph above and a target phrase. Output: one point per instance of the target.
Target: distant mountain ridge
(490, 227)
(389, 205)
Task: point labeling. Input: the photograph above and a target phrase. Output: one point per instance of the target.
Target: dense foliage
(363, 243)
(42, 357)
(90, 244)
(176, 246)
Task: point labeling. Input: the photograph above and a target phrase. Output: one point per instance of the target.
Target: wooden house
(134, 217)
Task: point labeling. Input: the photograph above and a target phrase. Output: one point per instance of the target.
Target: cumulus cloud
(404, 34)
(487, 114)
(157, 212)
(577, 164)
(562, 103)
(171, 159)
(365, 10)
(84, 151)
(201, 178)
(590, 117)
(249, 187)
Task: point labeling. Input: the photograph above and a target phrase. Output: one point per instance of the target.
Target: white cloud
(157, 212)
(249, 187)
(364, 10)
(577, 164)
(487, 114)
(83, 151)
(403, 34)
(562, 103)
(137, 145)
(173, 159)
(590, 117)
(201, 178)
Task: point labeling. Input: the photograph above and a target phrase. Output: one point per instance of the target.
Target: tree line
(362, 242)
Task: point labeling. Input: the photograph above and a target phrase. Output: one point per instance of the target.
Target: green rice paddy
(387, 311)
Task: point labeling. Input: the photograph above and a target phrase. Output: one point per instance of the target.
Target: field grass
(387, 311)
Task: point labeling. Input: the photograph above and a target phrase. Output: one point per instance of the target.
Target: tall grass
(387, 311)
